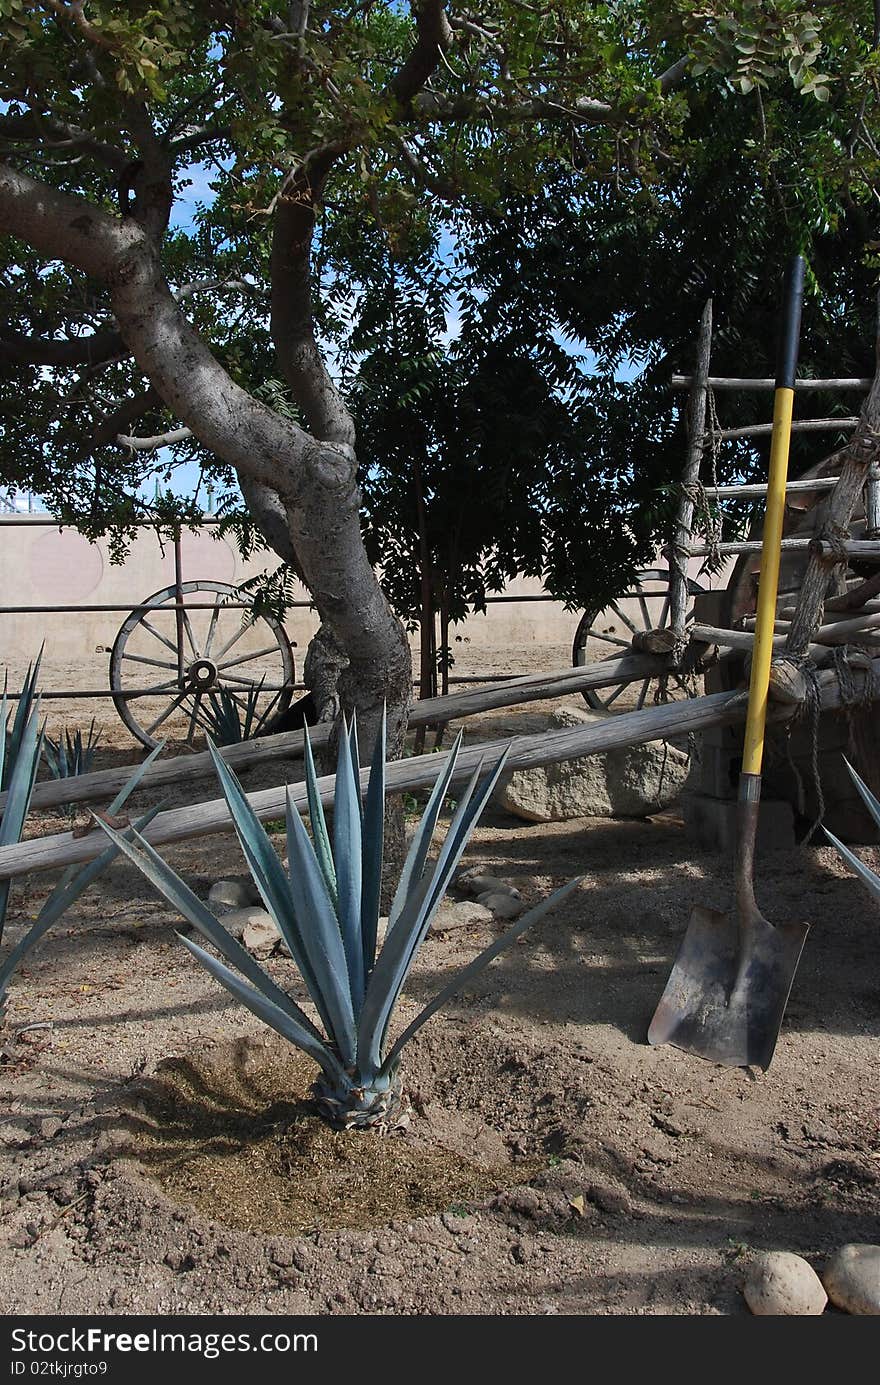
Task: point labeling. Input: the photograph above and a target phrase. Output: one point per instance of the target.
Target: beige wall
(42, 566)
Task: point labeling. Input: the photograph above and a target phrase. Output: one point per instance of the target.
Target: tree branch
(292, 317)
(266, 509)
(155, 442)
(434, 37)
(32, 127)
(63, 227)
(90, 350)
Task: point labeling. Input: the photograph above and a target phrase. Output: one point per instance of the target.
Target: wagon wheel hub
(200, 676)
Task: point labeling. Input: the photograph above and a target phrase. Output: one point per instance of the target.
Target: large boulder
(630, 783)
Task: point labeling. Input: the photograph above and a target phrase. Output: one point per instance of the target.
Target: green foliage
(327, 912)
(227, 722)
(20, 750)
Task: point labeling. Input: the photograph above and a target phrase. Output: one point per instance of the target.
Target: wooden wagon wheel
(224, 647)
(606, 634)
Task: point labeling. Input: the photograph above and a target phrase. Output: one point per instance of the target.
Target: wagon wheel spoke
(640, 702)
(615, 694)
(156, 663)
(163, 716)
(209, 639)
(246, 658)
(197, 654)
(609, 639)
(145, 624)
(158, 687)
(625, 618)
(664, 614)
(242, 630)
(643, 607)
(194, 718)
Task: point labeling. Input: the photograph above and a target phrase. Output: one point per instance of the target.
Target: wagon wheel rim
(218, 653)
(643, 606)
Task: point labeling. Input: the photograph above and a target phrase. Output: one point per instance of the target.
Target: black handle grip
(786, 363)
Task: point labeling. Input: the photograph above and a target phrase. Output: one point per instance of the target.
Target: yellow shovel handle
(768, 582)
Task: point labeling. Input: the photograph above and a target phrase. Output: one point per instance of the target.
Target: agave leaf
(318, 821)
(398, 953)
(373, 845)
(25, 704)
(866, 876)
(178, 893)
(867, 797)
(347, 850)
(414, 865)
(477, 965)
(354, 751)
(271, 1014)
(4, 717)
(269, 875)
(320, 930)
(68, 889)
(134, 779)
(18, 796)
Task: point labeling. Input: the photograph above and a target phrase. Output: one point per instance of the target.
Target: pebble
(235, 921)
(465, 914)
(852, 1279)
(475, 882)
(780, 1284)
(49, 1127)
(260, 936)
(233, 893)
(502, 904)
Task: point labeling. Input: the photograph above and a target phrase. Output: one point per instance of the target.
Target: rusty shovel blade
(722, 1004)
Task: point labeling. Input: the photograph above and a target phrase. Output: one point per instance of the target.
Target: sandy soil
(554, 1162)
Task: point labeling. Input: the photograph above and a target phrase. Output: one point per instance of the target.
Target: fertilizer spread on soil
(234, 1136)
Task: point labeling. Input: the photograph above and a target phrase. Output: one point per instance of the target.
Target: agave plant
(327, 911)
(13, 735)
(72, 883)
(221, 714)
(20, 749)
(867, 876)
(71, 755)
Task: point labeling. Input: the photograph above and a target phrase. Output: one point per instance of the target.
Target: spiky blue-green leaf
(269, 876)
(347, 848)
(134, 779)
(414, 865)
(473, 968)
(321, 937)
(318, 821)
(373, 846)
(177, 892)
(398, 953)
(866, 876)
(271, 1014)
(870, 802)
(68, 889)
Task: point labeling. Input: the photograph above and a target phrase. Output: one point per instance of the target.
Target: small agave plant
(865, 874)
(327, 911)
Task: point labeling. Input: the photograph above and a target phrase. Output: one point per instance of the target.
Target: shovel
(728, 989)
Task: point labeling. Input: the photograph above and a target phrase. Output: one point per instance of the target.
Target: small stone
(465, 914)
(852, 1279)
(503, 905)
(475, 883)
(260, 935)
(180, 1262)
(235, 894)
(780, 1284)
(281, 1253)
(49, 1127)
(236, 921)
(20, 1240)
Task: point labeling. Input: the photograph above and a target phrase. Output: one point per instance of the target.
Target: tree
(315, 122)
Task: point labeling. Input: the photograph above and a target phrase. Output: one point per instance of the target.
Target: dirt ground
(157, 1152)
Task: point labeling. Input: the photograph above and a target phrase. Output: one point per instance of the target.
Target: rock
(234, 893)
(49, 1127)
(260, 935)
(236, 921)
(503, 905)
(852, 1279)
(633, 781)
(474, 882)
(780, 1284)
(465, 914)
